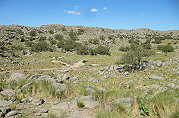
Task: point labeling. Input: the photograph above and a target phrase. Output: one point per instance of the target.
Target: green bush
(51, 31)
(73, 36)
(40, 46)
(59, 37)
(82, 50)
(53, 42)
(102, 50)
(147, 46)
(124, 49)
(167, 48)
(175, 114)
(33, 33)
(80, 104)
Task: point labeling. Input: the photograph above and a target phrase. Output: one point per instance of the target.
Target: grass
(80, 104)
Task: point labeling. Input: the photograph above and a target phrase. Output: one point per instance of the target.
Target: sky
(113, 14)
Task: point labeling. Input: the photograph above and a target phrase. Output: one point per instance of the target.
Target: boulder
(92, 79)
(16, 77)
(4, 103)
(60, 87)
(123, 101)
(90, 91)
(154, 77)
(171, 85)
(8, 92)
(38, 101)
(39, 77)
(12, 113)
(42, 110)
(89, 101)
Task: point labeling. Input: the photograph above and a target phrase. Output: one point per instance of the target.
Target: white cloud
(72, 12)
(105, 8)
(76, 7)
(93, 10)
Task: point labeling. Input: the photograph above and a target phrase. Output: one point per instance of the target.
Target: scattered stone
(154, 77)
(38, 101)
(60, 87)
(123, 101)
(153, 86)
(12, 113)
(5, 110)
(171, 85)
(90, 91)
(4, 103)
(100, 89)
(26, 85)
(92, 79)
(24, 100)
(39, 77)
(16, 77)
(42, 110)
(89, 101)
(8, 92)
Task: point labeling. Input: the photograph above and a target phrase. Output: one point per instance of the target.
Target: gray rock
(90, 90)
(171, 85)
(154, 77)
(12, 113)
(38, 101)
(4, 103)
(26, 85)
(5, 110)
(92, 79)
(1, 114)
(65, 106)
(77, 116)
(23, 100)
(8, 92)
(73, 78)
(16, 77)
(153, 86)
(176, 73)
(177, 87)
(123, 101)
(88, 101)
(63, 77)
(100, 89)
(39, 77)
(42, 110)
(60, 87)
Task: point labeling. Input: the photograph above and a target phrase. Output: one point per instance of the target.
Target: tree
(58, 37)
(40, 46)
(73, 36)
(33, 33)
(167, 48)
(135, 57)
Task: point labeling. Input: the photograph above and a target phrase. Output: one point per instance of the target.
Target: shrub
(60, 43)
(135, 57)
(82, 50)
(51, 31)
(58, 37)
(80, 104)
(33, 33)
(124, 49)
(29, 43)
(69, 45)
(157, 41)
(73, 36)
(53, 42)
(142, 107)
(102, 50)
(40, 46)
(167, 48)
(42, 38)
(175, 114)
(147, 46)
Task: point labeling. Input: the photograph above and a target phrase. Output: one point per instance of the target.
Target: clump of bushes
(41, 46)
(166, 48)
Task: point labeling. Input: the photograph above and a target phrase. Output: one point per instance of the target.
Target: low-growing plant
(144, 110)
(175, 114)
(80, 104)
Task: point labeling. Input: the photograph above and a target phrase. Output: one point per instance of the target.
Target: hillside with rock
(58, 71)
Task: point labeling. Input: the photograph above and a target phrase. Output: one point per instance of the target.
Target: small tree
(58, 37)
(33, 33)
(167, 48)
(40, 46)
(135, 57)
(73, 36)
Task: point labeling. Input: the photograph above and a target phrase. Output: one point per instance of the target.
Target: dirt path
(66, 66)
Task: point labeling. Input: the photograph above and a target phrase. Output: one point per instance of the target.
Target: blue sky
(114, 14)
